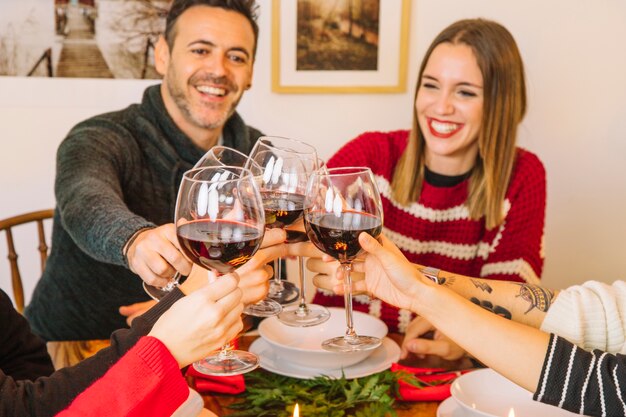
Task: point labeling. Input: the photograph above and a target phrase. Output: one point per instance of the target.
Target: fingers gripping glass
(156, 293)
(340, 204)
(220, 225)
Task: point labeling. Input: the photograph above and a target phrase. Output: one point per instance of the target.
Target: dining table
(219, 403)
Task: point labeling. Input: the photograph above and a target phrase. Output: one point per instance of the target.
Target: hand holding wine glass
(341, 203)
(220, 225)
(216, 156)
(154, 255)
(212, 316)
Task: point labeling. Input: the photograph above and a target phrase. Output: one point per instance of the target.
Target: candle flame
(511, 413)
(296, 411)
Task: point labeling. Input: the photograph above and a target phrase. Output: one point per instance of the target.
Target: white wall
(575, 61)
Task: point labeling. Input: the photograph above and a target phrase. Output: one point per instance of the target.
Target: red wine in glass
(338, 235)
(281, 208)
(296, 236)
(220, 245)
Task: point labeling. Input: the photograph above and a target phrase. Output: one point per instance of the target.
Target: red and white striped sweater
(437, 231)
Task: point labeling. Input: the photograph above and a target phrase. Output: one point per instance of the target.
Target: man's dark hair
(247, 8)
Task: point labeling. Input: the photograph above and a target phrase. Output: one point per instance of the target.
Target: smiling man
(118, 173)
(206, 67)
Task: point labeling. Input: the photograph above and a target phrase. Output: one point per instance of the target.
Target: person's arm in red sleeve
(145, 382)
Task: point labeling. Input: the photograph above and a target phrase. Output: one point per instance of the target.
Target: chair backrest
(7, 225)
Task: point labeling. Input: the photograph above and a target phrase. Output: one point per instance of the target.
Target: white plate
(486, 393)
(302, 346)
(379, 360)
(449, 408)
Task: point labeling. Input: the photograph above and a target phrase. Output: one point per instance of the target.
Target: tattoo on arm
(447, 281)
(487, 305)
(482, 285)
(538, 297)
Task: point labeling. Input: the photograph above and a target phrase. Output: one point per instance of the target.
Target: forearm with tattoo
(522, 302)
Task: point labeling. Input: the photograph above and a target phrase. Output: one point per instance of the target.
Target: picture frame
(297, 51)
(58, 38)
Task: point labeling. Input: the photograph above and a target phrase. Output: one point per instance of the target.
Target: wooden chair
(7, 225)
(63, 353)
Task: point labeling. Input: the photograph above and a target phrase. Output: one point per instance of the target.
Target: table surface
(218, 403)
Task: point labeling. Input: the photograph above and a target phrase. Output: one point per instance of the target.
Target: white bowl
(485, 393)
(303, 345)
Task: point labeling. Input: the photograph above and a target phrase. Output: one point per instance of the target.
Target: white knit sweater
(591, 315)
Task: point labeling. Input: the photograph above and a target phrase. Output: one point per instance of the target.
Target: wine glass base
(312, 315)
(156, 293)
(264, 308)
(351, 344)
(238, 362)
(287, 295)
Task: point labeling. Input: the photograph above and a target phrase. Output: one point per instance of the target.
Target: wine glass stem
(347, 291)
(278, 284)
(172, 283)
(302, 309)
(226, 352)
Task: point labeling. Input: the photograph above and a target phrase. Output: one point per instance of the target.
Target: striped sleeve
(589, 383)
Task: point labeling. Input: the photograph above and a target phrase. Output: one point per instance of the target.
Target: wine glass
(220, 225)
(286, 165)
(303, 314)
(341, 203)
(223, 155)
(216, 156)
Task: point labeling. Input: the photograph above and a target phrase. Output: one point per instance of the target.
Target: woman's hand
(389, 275)
(330, 276)
(326, 269)
(439, 345)
(201, 322)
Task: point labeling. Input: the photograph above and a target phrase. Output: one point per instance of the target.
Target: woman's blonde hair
(504, 106)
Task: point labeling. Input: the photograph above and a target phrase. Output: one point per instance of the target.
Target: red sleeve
(146, 381)
(517, 253)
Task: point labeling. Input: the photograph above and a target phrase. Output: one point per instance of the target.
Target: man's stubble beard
(183, 103)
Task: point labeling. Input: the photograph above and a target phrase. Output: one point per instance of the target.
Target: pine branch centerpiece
(271, 395)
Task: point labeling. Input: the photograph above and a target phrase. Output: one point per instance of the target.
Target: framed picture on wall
(80, 38)
(340, 46)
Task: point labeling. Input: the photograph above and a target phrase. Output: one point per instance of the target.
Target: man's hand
(155, 255)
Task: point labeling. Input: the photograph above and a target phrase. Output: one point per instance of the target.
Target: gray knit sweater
(116, 173)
